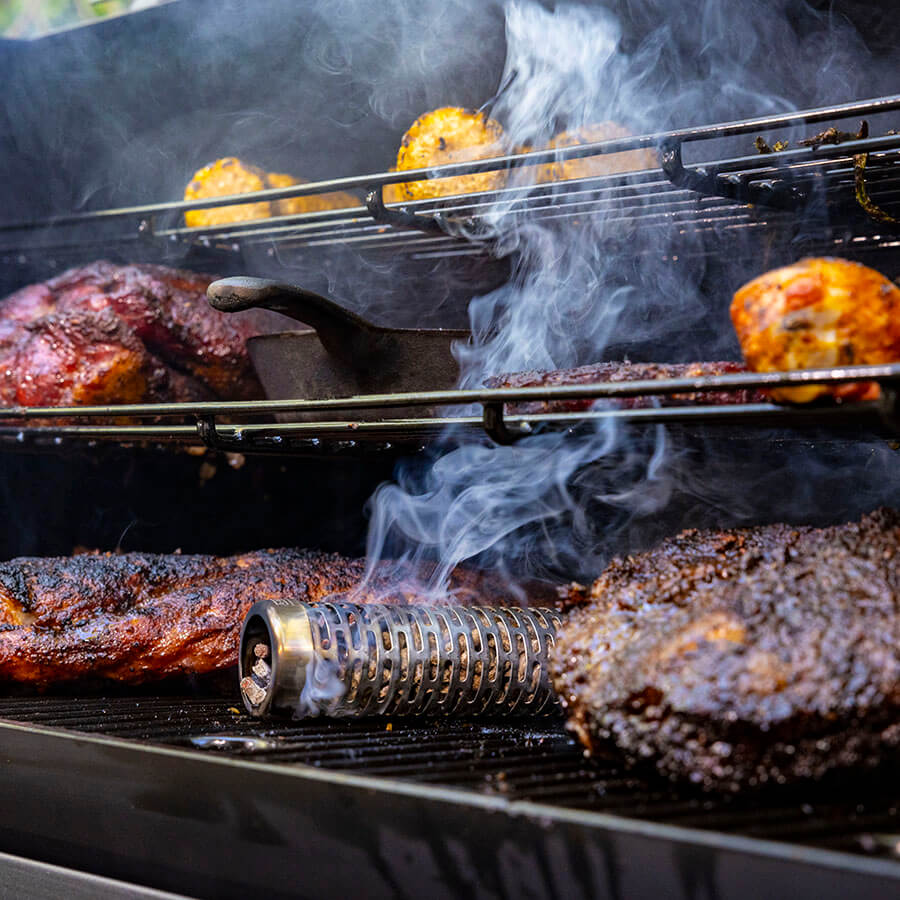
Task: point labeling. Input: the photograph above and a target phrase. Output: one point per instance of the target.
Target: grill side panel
(211, 827)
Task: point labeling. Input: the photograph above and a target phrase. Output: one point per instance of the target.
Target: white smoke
(558, 503)
(323, 690)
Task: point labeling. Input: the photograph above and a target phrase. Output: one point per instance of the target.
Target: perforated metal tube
(340, 659)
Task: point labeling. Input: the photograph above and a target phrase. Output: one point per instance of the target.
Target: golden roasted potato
(818, 313)
(449, 135)
(220, 179)
(293, 206)
(530, 174)
(603, 164)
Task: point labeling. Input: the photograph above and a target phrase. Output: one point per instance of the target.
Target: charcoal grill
(190, 795)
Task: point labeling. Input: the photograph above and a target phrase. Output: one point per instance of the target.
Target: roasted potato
(818, 313)
(293, 206)
(392, 193)
(449, 135)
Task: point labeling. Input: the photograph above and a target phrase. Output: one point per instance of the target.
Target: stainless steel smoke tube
(341, 659)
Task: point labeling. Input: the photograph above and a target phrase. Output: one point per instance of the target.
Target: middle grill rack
(336, 426)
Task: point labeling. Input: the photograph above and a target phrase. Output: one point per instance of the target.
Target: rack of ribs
(741, 657)
(139, 617)
(617, 372)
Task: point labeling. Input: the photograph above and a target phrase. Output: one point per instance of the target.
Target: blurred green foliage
(29, 18)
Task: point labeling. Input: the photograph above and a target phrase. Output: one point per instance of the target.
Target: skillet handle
(343, 333)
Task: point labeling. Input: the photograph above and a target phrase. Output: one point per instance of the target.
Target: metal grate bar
(746, 178)
(885, 374)
(350, 433)
(540, 157)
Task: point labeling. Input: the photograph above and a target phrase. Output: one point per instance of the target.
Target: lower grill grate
(535, 761)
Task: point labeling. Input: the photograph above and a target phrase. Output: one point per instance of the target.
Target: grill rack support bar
(401, 218)
(881, 414)
(882, 373)
(710, 182)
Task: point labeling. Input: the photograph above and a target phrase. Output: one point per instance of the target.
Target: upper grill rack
(202, 423)
(736, 194)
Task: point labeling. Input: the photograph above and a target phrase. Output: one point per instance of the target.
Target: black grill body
(191, 795)
(194, 796)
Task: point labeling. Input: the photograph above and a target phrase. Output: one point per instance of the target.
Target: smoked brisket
(741, 657)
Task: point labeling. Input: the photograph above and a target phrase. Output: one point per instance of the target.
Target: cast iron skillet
(341, 354)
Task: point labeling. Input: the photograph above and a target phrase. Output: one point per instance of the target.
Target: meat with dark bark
(616, 372)
(742, 657)
(163, 310)
(78, 359)
(139, 617)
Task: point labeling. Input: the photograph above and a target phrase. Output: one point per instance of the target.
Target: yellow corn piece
(449, 135)
(603, 164)
(293, 206)
(220, 179)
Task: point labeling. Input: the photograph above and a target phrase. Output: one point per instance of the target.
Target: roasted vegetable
(449, 135)
(293, 206)
(602, 164)
(763, 147)
(834, 136)
(232, 176)
(220, 179)
(871, 208)
(818, 313)
(392, 193)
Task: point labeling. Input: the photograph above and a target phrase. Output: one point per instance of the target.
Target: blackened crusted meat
(740, 657)
(139, 617)
(616, 372)
(163, 309)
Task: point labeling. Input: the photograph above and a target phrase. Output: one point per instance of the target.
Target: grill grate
(740, 194)
(346, 433)
(536, 761)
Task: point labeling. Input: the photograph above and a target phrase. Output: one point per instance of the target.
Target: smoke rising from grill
(326, 88)
(599, 287)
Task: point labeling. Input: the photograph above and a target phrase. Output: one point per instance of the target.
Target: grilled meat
(449, 135)
(818, 313)
(164, 310)
(138, 617)
(615, 372)
(740, 657)
(78, 359)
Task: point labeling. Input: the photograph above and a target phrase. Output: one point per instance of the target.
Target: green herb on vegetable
(833, 136)
(873, 211)
(763, 147)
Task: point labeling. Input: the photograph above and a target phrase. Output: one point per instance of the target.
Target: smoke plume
(560, 504)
